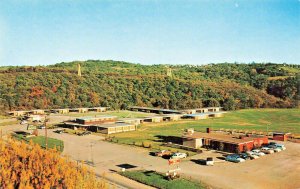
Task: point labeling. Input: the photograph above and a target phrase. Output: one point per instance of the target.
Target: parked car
(234, 158)
(23, 122)
(275, 148)
(59, 131)
(281, 146)
(163, 153)
(267, 150)
(41, 127)
(245, 156)
(179, 156)
(252, 155)
(258, 152)
(85, 133)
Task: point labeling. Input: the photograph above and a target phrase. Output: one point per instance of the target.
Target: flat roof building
(113, 128)
(201, 110)
(89, 120)
(135, 121)
(154, 110)
(223, 142)
(206, 115)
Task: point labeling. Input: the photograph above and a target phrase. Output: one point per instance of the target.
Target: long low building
(135, 121)
(154, 110)
(170, 111)
(202, 110)
(113, 128)
(223, 142)
(60, 111)
(105, 128)
(89, 120)
(206, 115)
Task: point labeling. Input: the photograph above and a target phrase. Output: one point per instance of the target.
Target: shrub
(30, 166)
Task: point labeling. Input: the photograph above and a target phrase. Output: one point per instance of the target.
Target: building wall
(282, 137)
(258, 142)
(82, 110)
(38, 112)
(117, 129)
(63, 111)
(246, 146)
(157, 119)
(96, 121)
(218, 115)
(200, 117)
(214, 144)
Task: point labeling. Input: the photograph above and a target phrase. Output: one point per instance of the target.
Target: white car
(179, 156)
(23, 122)
(280, 146)
(258, 152)
(252, 155)
(275, 148)
(267, 150)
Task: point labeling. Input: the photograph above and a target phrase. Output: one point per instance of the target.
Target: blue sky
(34, 32)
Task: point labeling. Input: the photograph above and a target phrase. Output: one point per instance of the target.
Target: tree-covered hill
(121, 84)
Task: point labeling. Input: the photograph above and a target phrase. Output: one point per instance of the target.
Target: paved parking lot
(279, 170)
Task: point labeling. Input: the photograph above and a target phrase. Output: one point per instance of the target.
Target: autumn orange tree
(27, 166)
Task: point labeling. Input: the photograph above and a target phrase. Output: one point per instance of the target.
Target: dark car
(59, 131)
(85, 133)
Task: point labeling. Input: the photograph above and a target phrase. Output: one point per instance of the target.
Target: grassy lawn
(3, 117)
(159, 181)
(41, 141)
(251, 119)
(5, 123)
(119, 114)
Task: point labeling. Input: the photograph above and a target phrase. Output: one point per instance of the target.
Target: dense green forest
(121, 84)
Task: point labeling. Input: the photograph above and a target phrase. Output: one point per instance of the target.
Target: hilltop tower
(79, 70)
(169, 72)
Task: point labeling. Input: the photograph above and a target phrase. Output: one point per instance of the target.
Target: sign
(174, 161)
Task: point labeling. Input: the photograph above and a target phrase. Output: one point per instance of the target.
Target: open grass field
(40, 140)
(119, 114)
(287, 120)
(159, 181)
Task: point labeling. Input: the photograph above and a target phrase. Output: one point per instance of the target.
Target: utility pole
(46, 133)
(92, 158)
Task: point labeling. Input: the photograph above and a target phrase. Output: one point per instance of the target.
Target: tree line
(120, 84)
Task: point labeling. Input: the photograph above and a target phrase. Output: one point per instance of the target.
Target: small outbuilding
(280, 136)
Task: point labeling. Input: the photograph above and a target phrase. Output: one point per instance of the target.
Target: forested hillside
(120, 84)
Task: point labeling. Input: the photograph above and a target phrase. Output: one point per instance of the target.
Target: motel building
(198, 116)
(113, 128)
(222, 142)
(105, 124)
